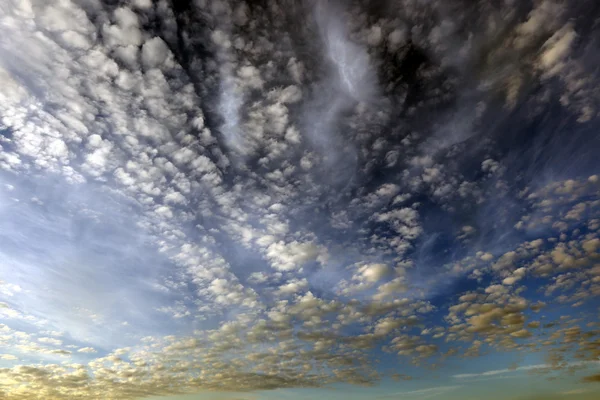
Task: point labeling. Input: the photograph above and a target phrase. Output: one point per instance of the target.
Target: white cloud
(292, 255)
(556, 49)
(292, 287)
(87, 350)
(351, 62)
(372, 272)
(154, 53)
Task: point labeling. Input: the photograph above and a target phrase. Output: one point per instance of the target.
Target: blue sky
(230, 200)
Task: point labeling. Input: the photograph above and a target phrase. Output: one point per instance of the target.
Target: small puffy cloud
(591, 246)
(372, 272)
(486, 257)
(403, 221)
(387, 325)
(142, 4)
(87, 350)
(292, 287)
(154, 53)
(250, 77)
(391, 288)
(289, 256)
(516, 275)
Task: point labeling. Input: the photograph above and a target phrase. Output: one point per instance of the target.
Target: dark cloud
(591, 379)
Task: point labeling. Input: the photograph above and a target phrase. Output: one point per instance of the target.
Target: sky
(299, 199)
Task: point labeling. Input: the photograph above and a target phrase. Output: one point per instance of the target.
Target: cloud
(353, 72)
(86, 350)
(591, 379)
(535, 367)
(556, 49)
(232, 196)
(288, 256)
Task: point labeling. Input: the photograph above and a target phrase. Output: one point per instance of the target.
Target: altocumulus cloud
(248, 196)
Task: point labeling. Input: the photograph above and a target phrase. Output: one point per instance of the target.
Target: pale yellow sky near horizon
(520, 385)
